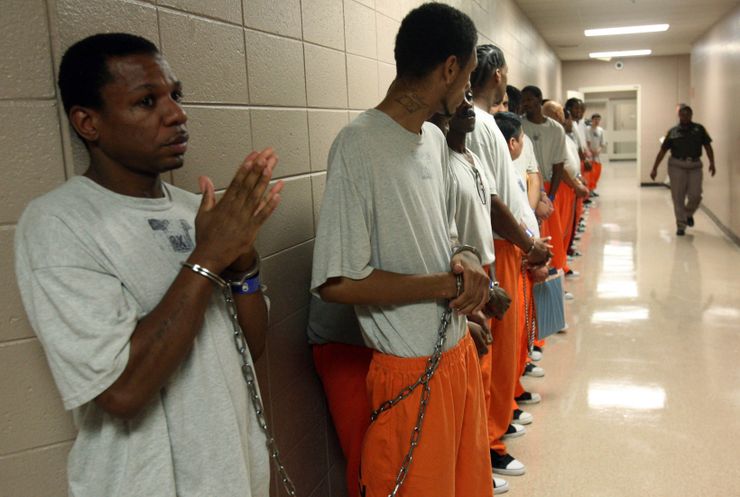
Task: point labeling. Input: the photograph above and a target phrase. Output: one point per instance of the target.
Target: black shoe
(690, 221)
(680, 232)
(528, 398)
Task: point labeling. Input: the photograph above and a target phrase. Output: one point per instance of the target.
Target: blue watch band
(250, 286)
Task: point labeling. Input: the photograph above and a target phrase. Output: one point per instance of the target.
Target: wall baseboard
(722, 227)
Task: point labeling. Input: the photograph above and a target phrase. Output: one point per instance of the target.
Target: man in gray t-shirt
(117, 270)
(385, 243)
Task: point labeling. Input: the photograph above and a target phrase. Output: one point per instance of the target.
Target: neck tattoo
(411, 102)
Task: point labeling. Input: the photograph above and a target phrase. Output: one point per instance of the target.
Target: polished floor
(642, 394)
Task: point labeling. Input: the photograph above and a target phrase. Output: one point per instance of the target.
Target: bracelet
(531, 248)
(197, 268)
(467, 248)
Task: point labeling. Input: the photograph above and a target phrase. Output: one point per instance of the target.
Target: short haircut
(533, 90)
(509, 124)
(84, 68)
(515, 99)
(490, 58)
(429, 35)
(686, 108)
(572, 102)
(595, 116)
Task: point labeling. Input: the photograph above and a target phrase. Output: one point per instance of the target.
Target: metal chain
(424, 379)
(254, 395)
(529, 320)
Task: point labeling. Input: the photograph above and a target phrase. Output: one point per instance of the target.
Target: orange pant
(595, 175)
(526, 319)
(452, 458)
(501, 362)
(566, 204)
(552, 227)
(343, 372)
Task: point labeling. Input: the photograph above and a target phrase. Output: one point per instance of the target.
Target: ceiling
(561, 23)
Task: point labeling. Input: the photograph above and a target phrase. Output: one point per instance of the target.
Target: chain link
(529, 320)
(426, 392)
(254, 395)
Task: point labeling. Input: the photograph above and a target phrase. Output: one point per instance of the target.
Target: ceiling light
(627, 30)
(618, 53)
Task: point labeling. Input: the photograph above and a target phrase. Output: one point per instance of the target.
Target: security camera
(619, 65)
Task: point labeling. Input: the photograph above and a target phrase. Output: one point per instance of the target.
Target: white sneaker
(514, 431)
(500, 486)
(536, 355)
(522, 417)
(528, 398)
(572, 274)
(568, 296)
(534, 371)
(506, 465)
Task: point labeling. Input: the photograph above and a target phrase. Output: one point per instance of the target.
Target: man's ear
(85, 121)
(451, 68)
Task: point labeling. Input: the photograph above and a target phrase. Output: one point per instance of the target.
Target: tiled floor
(642, 394)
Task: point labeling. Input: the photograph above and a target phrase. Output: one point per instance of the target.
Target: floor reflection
(611, 395)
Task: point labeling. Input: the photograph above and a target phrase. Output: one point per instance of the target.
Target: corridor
(641, 395)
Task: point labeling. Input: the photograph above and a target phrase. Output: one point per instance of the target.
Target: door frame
(636, 88)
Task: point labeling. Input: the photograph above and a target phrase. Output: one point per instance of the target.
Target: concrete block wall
(286, 73)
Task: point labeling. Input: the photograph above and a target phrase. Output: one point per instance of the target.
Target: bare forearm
(387, 288)
(254, 320)
(504, 223)
(569, 180)
(534, 183)
(710, 153)
(160, 342)
(557, 174)
(659, 158)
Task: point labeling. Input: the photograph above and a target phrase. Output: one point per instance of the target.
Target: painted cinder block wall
(286, 73)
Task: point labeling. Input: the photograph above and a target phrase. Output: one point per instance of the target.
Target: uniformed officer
(684, 166)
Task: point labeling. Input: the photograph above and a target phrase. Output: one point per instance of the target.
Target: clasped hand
(225, 230)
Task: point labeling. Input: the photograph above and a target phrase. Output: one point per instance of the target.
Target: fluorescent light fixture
(627, 30)
(619, 53)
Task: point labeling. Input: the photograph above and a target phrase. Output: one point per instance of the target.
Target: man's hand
(225, 230)
(581, 191)
(498, 303)
(538, 273)
(544, 207)
(654, 172)
(475, 283)
(587, 165)
(540, 252)
(712, 170)
(481, 337)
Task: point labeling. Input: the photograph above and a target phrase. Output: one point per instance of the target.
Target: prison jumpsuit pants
(452, 458)
(343, 372)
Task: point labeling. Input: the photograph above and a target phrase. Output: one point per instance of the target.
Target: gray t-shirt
(548, 139)
(332, 323)
(387, 206)
(488, 143)
(92, 263)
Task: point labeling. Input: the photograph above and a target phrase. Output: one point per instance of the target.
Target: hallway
(642, 394)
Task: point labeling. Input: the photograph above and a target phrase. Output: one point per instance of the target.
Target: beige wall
(288, 73)
(664, 82)
(715, 78)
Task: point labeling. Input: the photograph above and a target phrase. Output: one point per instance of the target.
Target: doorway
(618, 110)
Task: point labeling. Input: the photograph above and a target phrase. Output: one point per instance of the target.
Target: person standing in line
(136, 289)
(509, 208)
(596, 143)
(473, 217)
(685, 142)
(387, 244)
